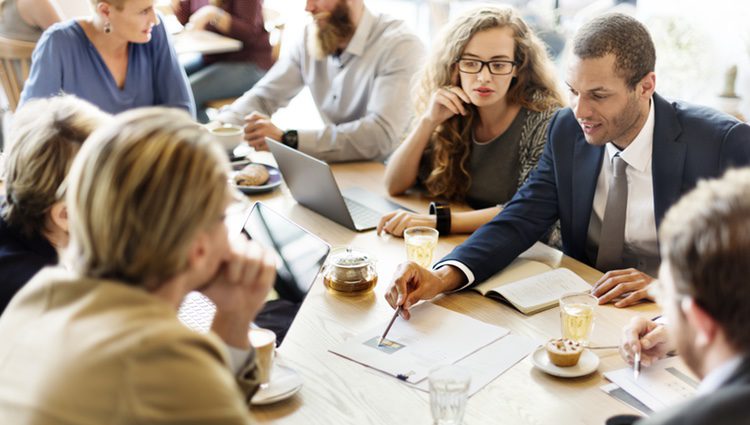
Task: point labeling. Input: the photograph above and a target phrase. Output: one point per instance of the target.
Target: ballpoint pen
(637, 365)
(388, 328)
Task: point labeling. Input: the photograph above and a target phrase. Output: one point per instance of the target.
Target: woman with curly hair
(483, 102)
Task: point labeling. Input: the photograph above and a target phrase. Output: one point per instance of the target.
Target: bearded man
(358, 66)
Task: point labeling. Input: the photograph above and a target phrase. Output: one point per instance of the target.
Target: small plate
(285, 382)
(587, 364)
(274, 180)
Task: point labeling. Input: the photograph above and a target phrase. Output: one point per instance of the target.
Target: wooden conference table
(339, 391)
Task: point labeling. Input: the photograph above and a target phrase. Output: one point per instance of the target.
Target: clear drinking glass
(420, 244)
(577, 316)
(449, 390)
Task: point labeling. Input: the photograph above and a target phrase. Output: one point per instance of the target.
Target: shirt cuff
(461, 266)
(237, 358)
(306, 141)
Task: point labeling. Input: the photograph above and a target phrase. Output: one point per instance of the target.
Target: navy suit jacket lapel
(668, 158)
(587, 162)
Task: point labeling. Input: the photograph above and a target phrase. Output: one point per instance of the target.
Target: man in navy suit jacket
(705, 298)
(614, 112)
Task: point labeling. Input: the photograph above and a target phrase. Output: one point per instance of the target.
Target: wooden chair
(15, 62)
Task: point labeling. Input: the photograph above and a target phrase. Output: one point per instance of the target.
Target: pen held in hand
(390, 324)
(637, 365)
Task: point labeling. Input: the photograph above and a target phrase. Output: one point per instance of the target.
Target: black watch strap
(290, 139)
(442, 213)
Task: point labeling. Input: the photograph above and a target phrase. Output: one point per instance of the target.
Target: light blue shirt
(66, 61)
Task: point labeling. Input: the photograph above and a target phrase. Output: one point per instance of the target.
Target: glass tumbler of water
(420, 244)
(449, 390)
(577, 316)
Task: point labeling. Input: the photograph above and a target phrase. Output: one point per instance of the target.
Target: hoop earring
(107, 28)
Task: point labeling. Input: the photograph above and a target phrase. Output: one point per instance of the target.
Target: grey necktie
(612, 239)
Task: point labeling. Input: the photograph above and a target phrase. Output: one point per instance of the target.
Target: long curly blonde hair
(534, 88)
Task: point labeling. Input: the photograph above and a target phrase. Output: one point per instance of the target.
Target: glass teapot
(349, 271)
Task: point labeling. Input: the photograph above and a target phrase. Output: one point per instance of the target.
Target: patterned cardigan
(531, 145)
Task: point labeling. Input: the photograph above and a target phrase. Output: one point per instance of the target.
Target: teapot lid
(350, 258)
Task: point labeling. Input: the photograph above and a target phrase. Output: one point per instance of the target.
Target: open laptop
(299, 257)
(312, 184)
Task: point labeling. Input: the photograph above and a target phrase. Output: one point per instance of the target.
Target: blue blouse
(64, 60)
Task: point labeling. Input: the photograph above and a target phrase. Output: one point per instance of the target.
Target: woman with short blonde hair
(148, 195)
(118, 58)
(46, 136)
(483, 103)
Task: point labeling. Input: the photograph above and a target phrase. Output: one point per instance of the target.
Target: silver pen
(388, 328)
(637, 365)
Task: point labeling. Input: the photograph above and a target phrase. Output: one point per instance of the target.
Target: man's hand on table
(257, 128)
(412, 283)
(630, 284)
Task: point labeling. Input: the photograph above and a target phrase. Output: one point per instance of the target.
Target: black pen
(388, 328)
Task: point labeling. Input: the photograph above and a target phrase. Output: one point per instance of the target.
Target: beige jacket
(83, 351)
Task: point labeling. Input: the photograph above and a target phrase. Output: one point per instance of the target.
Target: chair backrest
(15, 62)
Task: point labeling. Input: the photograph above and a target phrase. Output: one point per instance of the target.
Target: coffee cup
(263, 342)
(228, 136)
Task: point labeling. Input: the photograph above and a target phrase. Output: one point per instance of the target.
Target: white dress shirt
(362, 95)
(714, 380)
(640, 220)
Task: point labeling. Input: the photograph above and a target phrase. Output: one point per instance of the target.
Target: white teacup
(228, 136)
(264, 343)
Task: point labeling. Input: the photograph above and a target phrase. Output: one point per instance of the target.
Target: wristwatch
(290, 139)
(442, 213)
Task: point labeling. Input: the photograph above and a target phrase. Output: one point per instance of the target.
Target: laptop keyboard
(363, 216)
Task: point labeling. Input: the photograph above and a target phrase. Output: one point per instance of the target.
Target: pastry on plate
(252, 175)
(564, 352)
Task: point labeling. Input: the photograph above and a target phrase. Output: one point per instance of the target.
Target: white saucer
(285, 382)
(587, 364)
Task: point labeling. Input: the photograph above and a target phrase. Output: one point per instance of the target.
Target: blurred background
(703, 47)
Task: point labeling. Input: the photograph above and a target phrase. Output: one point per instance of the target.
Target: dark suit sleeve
(524, 220)
(735, 150)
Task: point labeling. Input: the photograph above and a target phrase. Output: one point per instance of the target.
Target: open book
(531, 286)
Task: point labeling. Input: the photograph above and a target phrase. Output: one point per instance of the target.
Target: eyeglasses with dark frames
(475, 66)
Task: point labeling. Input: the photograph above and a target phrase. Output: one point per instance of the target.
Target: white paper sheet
(665, 383)
(491, 361)
(433, 336)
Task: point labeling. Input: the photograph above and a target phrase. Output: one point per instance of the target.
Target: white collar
(719, 375)
(358, 43)
(638, 153)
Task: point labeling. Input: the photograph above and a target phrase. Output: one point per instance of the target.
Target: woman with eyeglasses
(483, 104)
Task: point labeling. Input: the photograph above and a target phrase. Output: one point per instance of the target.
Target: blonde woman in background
(483, 104)
(26, 19)
(46, 136)
(118, 58)
(148, 195)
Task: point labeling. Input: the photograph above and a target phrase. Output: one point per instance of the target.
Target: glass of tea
(420, 244)
(577, 316)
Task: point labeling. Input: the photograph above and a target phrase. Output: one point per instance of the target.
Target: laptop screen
(299, 257)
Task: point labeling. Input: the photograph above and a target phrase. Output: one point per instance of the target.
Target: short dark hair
(624, 37)
(706, 239)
